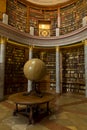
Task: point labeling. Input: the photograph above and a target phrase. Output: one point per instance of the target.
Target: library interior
(43, 64)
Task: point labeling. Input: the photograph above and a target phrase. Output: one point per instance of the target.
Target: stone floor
(68, 112)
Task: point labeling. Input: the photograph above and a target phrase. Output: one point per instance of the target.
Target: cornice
(25, 38)
(47, 4)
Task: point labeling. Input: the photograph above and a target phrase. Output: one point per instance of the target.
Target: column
(58, 22)
(58, 17)
(85, 61)
(2, 66)
(29, 81)
(57, 71)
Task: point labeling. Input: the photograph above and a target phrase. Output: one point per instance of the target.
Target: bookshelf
(23, 16)
(52, 15)
(49, 57)
(17, 13)
(71, 16)
(73, 69)
(43, 15)
(11, 11)
(16, 56)
(51, 67)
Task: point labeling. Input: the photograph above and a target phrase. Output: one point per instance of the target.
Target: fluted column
(2, 66)
(57, 71)
(85, 58)
(29, 81)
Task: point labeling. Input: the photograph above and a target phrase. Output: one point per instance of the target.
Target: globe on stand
(35, 70)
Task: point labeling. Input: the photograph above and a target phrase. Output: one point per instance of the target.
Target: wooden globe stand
(35, 90)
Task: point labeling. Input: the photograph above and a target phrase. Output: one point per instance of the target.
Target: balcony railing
(25, 38)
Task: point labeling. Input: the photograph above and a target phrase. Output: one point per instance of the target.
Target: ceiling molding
(48, 2)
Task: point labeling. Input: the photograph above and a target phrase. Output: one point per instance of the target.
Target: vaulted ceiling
(48, 2)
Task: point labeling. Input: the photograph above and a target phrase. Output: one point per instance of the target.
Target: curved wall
(24, 38)
(63, 18)
(14, 33)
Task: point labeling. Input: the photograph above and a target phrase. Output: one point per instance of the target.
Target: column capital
(85, 42)
(57, 48)
(31, 47)
(2, 39)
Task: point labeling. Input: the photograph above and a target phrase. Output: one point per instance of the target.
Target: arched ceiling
(48, 2)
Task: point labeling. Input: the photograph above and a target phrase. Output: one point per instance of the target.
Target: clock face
(44, 32)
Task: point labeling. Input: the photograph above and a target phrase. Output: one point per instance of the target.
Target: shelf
(73, 72)
(16, 56)
(49, 58)
(72, 15)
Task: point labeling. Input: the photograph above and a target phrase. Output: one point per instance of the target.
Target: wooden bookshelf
(17, 13)
(11, 11)
(71, 16)
(48, 56)
(73, 69)
(16, 56)
(51, 67)
(23, 15)
(43, 15)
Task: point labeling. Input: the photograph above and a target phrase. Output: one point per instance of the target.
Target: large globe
(34, 69)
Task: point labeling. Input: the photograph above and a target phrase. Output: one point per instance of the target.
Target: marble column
(57, 71)
(58, 18)
(58, 23)
(85, 58)
(29, 81)
(2, 66)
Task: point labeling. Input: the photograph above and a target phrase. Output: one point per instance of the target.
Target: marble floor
(68, 112)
